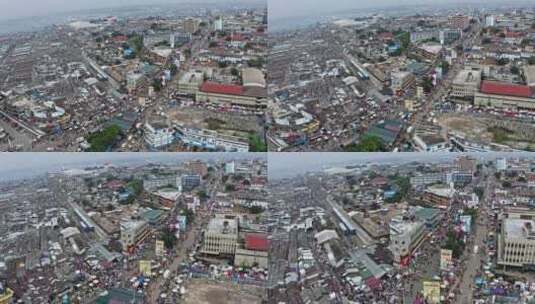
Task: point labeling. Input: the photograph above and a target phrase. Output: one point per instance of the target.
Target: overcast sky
(17, 165)
(11, 9)
(289, 164)
(290, 8)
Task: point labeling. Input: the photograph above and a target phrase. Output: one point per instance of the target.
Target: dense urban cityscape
(146, 232)
(267, 152)
(189, 81)
(427, 79)
(441, 230)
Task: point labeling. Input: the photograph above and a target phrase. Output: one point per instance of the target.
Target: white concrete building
(157, 136)
(405, 237)
(221, 236)
(501, 164)
(466, 84)
(132, 232)
(516, 243)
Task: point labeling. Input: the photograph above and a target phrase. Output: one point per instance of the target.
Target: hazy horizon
(288, 164)
(280, 9)
(12, 10)
(24, 165)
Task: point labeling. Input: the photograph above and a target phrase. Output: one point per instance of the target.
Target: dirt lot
(489, 130)
(199, 118)
(472, 129)
(207, 292)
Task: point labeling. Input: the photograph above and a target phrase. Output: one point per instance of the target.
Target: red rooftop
(256, 241)
(218, 88)
(500, 88)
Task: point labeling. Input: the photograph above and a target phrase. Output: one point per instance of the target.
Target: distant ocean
(37, 23)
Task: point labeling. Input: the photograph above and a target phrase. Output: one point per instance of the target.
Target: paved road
(474, 260)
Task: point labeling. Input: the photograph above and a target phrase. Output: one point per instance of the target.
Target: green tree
(157, 84)
(103, 140)
(168, 238)
(203, 196)
(136, 186)
(445, 67)
(455, 244)
(256, 144)
(136, 41)
(427, 84)
(256, 63)
(369, 143)
(256, 209)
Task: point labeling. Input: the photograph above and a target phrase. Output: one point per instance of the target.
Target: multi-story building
(230, 168)
(459, 22)
(505, 96)
(158, 135)
(221, 236)
(190, 82)
(423, 35)
(405, 237)
(466, 164)
(212, 140)
(438, 197)
(155, 182)
(133, 232)
(252, 77)
(516, 243)
(402, 80)
(197, 167)
(501, 164)
(255, 251)
(135, 82)
(191, 25)
(466, 84)
(428, 179)
(232, 95)
(179, 39)
(190, 181)
(431, 142)
(490, 20)
(447, 36)
(218, 24)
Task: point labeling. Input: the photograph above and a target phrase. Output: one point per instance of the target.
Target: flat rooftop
(517, 228)
(223, 226)
(465, 77)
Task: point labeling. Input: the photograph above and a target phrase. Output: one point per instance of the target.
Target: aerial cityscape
(149, 228)
(402, 228)
(431, 77)
(183, 77)
(267, 152)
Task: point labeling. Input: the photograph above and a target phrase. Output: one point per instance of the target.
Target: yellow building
(6, 297)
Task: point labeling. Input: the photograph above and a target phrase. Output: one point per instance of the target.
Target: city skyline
(36, 8)
(279, 9)
(283, 165)
(24, 165)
